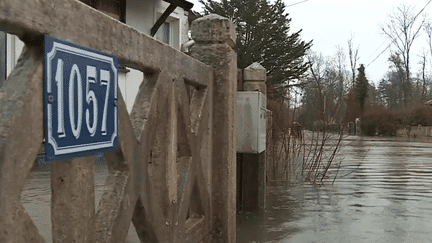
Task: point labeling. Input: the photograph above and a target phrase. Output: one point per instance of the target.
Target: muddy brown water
(383, 193)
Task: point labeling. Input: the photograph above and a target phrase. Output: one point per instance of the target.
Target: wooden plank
(145, 229)
(118, 201)
(143, 102)
(77, 22)
(194, 173)
(197, 229)
(115, 208)
(21, 126)
(73, 200)
(150, 216)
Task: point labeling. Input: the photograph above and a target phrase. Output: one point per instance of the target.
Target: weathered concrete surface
(255, 78)
(148, 217)
(214, 29)
(255, 72)
(117, 204)
(74, 21)
(254, 182)
(73, 200)
(239, 80)
(214, 36)
(21, 134)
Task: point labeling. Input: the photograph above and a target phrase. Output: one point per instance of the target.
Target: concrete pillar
(252, 182)
(239, 80)
(215, 38)
(255, 78)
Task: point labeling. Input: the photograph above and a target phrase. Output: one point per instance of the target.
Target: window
(168, 32)
(2, 58)
(113, 8)
(163, 33)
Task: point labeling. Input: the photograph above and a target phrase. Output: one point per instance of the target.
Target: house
(167, 21)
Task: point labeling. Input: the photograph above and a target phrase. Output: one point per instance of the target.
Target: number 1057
(75, 120)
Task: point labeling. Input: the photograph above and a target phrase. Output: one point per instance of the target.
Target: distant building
(142, 15)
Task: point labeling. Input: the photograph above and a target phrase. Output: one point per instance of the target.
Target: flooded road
(383, 193)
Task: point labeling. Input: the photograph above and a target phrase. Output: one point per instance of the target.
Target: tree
(263, 35)
(323, 98)
(394, 91)
(340, 60)
(428, 29)
(361, 87)
(402, 29)
(353, 58)
(422, 76)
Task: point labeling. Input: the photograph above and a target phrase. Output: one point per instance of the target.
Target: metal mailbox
(251, 122)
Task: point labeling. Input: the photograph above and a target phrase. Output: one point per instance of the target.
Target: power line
(377, 49)
(296, 3)
(394, 38)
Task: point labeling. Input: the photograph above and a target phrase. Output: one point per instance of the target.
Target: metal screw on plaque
(50, 98)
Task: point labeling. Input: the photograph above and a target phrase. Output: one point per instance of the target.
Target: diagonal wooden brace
(21, 126)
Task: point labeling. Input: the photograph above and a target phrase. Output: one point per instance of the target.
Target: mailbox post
(251, 139)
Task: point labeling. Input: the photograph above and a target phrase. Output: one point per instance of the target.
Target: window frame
(3, 58)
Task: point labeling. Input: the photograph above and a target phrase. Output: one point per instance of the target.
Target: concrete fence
(415, 131)
(173, 173)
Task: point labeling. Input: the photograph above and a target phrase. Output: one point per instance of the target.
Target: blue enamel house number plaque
(80, 100)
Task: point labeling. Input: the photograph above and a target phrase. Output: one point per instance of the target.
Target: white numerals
(105, 77)
(76, 128)
(91, 118)
(60, 108)
(91, 97)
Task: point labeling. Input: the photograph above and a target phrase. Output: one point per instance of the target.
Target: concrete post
(215, 38)
(255, 78)
(253, 166)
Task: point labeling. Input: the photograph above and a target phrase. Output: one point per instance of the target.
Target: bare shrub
(294, 154)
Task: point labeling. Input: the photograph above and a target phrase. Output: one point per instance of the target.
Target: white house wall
(13, 51)
(142, 15)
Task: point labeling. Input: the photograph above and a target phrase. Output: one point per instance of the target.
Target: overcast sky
(330, 23)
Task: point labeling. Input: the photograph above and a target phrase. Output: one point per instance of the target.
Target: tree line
(334, 90)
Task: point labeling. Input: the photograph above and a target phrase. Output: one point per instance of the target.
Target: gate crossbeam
(172, 164)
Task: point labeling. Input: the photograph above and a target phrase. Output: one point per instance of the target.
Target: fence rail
(173, 174)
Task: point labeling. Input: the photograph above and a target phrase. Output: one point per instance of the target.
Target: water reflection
(382, 194)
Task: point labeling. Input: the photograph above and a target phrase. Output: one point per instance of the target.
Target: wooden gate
(171, 175)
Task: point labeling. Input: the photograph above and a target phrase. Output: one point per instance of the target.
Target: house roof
(181, 3)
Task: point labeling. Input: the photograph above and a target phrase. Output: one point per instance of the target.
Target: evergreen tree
(361, 87)
(263, 36)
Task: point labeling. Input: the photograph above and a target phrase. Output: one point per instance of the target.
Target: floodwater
(382, 193)
(36, 198)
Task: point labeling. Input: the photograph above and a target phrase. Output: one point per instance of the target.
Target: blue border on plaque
(80, 100)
